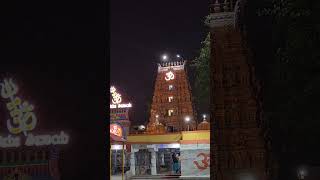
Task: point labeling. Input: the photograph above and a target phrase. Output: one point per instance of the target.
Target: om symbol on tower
(169, 76)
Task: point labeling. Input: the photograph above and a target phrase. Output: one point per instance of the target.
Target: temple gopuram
(172, 108)
(239, 140)
(172, 130)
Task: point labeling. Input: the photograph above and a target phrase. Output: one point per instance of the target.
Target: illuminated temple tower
(239, 143)
(171, 108)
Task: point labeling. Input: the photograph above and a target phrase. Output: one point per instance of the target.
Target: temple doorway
(143, 162)
(165, 161)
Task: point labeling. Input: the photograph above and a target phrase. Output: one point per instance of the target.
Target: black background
(57, 54)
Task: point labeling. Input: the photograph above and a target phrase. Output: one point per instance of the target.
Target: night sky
(141, 31)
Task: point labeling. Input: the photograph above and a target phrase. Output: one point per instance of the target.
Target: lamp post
(142, 127)
(164, 57)
(204, 117)
(179, 57)
(187, 120)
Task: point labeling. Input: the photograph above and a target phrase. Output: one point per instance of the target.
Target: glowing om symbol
(115, 130)
(205, 161)
(169, 76)
(23, 119)
(116, 97)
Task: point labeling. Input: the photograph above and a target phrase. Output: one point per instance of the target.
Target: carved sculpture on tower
(156, 127)
(239, 143)
(172, 100)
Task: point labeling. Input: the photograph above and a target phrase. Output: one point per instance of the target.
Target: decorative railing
(217, 6)
(172, 63)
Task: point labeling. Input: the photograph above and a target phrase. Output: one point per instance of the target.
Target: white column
(153, 162)
(133, 161)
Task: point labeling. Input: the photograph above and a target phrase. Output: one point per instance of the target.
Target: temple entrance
(116, 160)
(165, 161)
(143, 162)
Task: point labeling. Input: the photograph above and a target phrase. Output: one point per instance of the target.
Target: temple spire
(217, 6)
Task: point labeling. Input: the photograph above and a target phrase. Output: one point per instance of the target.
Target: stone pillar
(133, 161)
(153, 162)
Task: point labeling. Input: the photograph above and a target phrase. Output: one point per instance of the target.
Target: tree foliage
(202, 70)
(291, 77)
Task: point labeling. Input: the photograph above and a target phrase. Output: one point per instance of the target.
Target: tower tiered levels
(172, 108)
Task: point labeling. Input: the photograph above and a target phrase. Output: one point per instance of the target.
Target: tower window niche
(170, 87)
(170, 112)
(170, 98)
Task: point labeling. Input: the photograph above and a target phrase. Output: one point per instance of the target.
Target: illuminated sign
(114, 106)
(119, 116)
(116, 130)
(116, 99)
(169, 76)
(23, 120)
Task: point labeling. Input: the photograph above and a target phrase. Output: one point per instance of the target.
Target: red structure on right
(239, 144)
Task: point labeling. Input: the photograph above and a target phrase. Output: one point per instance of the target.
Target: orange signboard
(116, 130)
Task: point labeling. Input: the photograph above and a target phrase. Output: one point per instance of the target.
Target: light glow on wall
(117, 147)
(170, 112)
(174, 145)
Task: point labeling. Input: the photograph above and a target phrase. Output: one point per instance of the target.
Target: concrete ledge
(156, 177)
(195, 177)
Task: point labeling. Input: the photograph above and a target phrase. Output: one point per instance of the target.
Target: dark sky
(56, 53)
(141, 31)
